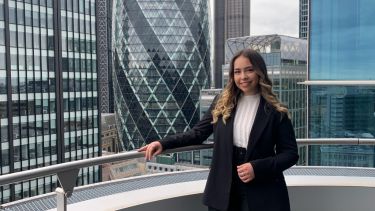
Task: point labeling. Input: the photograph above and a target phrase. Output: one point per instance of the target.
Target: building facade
(231, 19)
(109, 135)
(303, 18)
(341, 80)
(285, 58)
(48, 90)
(104, 37)
(161, 62)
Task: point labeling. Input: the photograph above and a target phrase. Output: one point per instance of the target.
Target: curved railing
(67, 172)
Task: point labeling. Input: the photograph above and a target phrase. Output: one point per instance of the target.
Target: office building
(303, 18)
(285, 58)
(109, 136)
(161, 62)
(48, 90)
(341, 80)
(231, 19)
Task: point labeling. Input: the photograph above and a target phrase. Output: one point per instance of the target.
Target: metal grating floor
(109, 188)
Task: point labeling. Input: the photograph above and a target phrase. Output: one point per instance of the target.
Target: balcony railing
(67, 172)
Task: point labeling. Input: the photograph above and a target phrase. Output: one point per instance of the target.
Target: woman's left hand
(246, 172)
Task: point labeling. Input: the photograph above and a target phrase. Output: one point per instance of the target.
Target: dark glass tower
(161, 61)
(48, 90)
(231, 19)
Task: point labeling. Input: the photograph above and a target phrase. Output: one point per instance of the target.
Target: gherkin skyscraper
(161, 62)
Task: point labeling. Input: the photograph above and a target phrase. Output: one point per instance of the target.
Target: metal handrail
(63, 167)
(67, 172)
(78, 164)
(54, 169)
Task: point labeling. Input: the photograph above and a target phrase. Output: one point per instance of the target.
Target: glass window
(50, 3)
(12, 15)
(5, 157)
(2, 36)
(43, 42)
(21, 39)
(342, 41)
(63, 4)
(50, 42)
(87, 7)
(92, 8)
(81, 6)
(63, 23)
(75, 6)
(2, 61)
(4, 134)
(13, 38)
(42, 2)
(51, 64)
(29, 40)
(69, 5)
(3, 85)
(3, 109)
(36, 41)
(43, 20)
(342, 112)
(1, 11)
(35, 19)
(28, 18)
(31, 107)
(50, 21)
(20, 17)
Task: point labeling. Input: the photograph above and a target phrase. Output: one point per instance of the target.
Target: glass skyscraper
(161, 62)
(48, 90)
(342, 80)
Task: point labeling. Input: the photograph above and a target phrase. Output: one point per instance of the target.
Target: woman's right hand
(152, 149)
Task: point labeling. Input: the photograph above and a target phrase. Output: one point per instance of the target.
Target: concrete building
(109, 134)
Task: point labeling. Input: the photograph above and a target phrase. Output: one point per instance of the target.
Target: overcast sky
(274, 17)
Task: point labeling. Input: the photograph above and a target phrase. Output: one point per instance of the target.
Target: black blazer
(272, 149)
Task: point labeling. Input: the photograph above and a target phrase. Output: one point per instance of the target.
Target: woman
(254, 141)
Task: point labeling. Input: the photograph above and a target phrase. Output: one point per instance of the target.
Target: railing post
(67, 180)
(61, 199)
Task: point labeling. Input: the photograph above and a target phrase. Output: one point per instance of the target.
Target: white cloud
(274, 17)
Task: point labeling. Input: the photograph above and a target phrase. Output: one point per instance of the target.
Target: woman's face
(245, 76)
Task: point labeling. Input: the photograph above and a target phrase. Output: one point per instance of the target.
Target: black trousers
(238, 195)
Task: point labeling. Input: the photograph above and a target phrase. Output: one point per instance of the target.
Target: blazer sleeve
(199, 133)
(286, 152)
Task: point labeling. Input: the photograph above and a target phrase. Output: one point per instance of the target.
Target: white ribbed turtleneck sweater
(243, 122)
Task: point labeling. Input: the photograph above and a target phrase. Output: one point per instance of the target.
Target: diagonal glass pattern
(162, 60)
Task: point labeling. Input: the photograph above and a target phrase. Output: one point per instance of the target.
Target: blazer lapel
(260, 122)
(229, 125)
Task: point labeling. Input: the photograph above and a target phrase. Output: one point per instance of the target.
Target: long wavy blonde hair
(231, 93)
